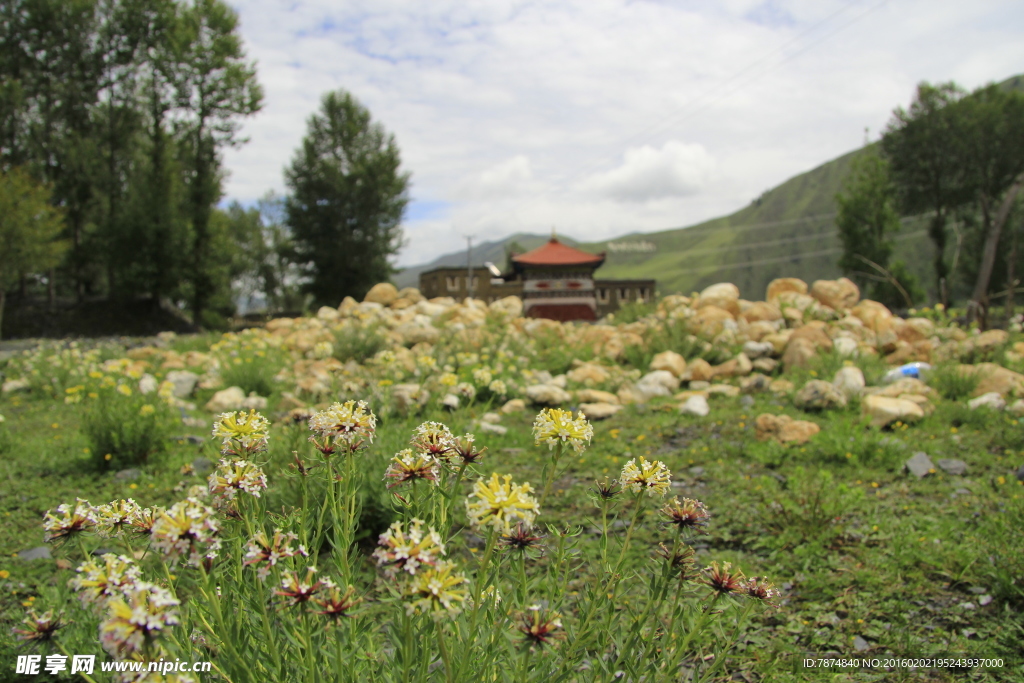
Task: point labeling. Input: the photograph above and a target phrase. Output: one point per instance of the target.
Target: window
(453, 283)
(623, 293)
(642, 295)
(603, 295)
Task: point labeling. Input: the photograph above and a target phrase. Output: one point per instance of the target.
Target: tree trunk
(1011, 261)
(979, 301)
(937, 233)
(3, 300)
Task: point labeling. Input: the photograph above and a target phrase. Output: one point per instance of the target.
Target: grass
(863, 552)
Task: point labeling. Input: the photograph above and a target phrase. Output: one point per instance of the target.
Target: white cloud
(602, 117)
(675, 170)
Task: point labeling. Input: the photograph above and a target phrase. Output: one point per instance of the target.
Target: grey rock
(184, 382)
(696, 471)
(977, 590)
(920, 465)
(747, 401)
(952, 466)
(754, 384)
(695, 405)
(130, 474)
(985, 600)
(819, 395)
(202, 465)
(1020, 473)
(40, 553)
(860, 645)
(966, 605)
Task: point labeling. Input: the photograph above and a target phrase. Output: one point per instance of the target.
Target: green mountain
(789, 231)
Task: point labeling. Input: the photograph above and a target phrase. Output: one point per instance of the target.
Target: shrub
(358, 342)
(123, 426)
(951, 382)
(808, 506)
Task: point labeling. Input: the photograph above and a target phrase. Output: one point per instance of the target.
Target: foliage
(347, 200)
(867, 218)
(358, 342)
(124, 427)
(952, 382)
(808, 506)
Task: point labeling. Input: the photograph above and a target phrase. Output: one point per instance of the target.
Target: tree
(29, 230)
(926, 162)
(866, 217)
(347, 201)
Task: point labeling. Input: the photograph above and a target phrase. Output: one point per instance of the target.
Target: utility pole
(469, 266)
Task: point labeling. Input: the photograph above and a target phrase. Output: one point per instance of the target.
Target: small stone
(130, 474)
(450, 401)
(184, 382)
(226, 400)
(966, 605)
(493, 418)
(548, 394)
(754, 383)
(747, 401)
(977, 590)
(850, 381)
(254, 402)
(860, 645)
(515, 405)
(599, 411)
(819, 395)
(699, 385)
(695, 405)
(884, 410)
(985, 600)
(957, 468)
(991, 400)
(202, 465)
(491, 428)
(40, 553)
(148, 384)
(920, 465)
(755, 350)
(696, 471)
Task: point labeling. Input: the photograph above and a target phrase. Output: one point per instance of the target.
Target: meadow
(671, 534)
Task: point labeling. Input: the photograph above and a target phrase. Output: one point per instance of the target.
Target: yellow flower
(4, 574)
(435, 591)
(136, 620)
(242, 431)
(449, 379)
(652, 477)
(124, 390)
(408, 552)
(556, 426)
(500, 504)
(146, 410)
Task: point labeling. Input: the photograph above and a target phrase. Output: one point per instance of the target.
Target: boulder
(226, 400)
(382, 293)
(328, 314)
(953, 467)
(838, 294)
(254, 402)
(819, 395)
(595, 396)
(784, 429)
(845, 347)
(600, 411)
(722, 290)
(548, 394)
(991, 400)
(183, 381)
(799, 353)
(884, 410)
(727, 390)
(412, 295)
(657, 383)
(739, 366)
(755, 350)
(781, 386)
(711, 320)
(849, 380)
(148, 384)
(754, 384)
(588, 374)
(514, 405)
(871, 313)
(1018, 407)
(784, 284)
(815, 333)
(699, 370)
(766, 365)
(670, 361)
(991, 340)
(695, 405)
(511, 306)
(761, 311)
(995, 378)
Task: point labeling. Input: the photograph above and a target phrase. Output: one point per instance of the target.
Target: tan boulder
(724, 295)
(588, 374)
(799, 353)
(699, 370)
(411, 294)
(838, 294)
(784, 284)
(884, 410)
(761, 311)
(596, 396)
(740, 366)
(547, 394)
(600, 411)
(995, 378)
(784, 429)
(511, 306)
(916, 329)
(815, 333)
(514, 405)
(870, 312)
(710, 320)
(991, 340)
(671, 361)
(226, 400)
(906, 385)
(382, 293)
(778, 340)
(781, 386)
(755, 383)
(766, 365)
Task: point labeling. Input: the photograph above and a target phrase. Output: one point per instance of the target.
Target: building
(554, 281)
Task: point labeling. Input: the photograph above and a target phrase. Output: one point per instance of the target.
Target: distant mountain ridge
(789, 231)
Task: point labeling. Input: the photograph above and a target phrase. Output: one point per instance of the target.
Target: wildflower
(242, 432)
(465, 450)
(154, 657)
(99, 581)
(466, 390)
(71, 520)
(338, 604)
(144, 520)
(606, 490)
(540, 625)
(124, 390)
(520, 538)
(449, 379)
(187, 529)
(554, 425)
(407, 466)
(498, 387)
(300, 466)
(115, 516)
(652, 477)
(434, 439)
(761, 589)
(38, 627)
(688, 514)
(482, 376)
(401, 552)
(267, 553)
(682, 560)
(298, 591)
(240, 475)
(146, 410)
(435, 591)
(723, 579)
(350, 423)
(499, 504)
(138, 618)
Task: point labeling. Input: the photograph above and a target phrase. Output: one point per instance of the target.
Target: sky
(598, 118)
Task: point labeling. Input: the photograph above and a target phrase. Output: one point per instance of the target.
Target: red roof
(554, 253)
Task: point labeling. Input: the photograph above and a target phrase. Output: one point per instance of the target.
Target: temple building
(554, 281)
